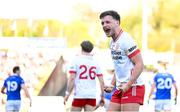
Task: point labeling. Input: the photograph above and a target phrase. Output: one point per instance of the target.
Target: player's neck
(163, 71)
(15, 74)
(86, 54)
(117, 34)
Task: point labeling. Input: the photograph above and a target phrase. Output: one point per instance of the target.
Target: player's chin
(108, 35)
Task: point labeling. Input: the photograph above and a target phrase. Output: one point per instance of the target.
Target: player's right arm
(153, 86)
(110, 88)
(70, 86)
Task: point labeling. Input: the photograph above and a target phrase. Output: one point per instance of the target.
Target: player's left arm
(137, 70)
(3, 89)
(23, 86)
(134, 54)
(176, 91)
(101, 80)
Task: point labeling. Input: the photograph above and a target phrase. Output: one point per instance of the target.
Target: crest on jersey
(115, 47)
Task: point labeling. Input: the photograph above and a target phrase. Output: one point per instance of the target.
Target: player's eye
(107, 22)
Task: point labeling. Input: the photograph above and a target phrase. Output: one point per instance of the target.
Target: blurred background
(42, 36)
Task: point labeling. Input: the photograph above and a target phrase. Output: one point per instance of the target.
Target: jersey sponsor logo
(132, 49)
(116, 55)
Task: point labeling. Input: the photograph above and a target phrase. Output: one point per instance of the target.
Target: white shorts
(107, 102)
(162, 105)
(13, 105)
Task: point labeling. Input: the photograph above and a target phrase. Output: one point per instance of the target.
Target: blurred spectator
(163, 82)
(12, 88)
(35, 65)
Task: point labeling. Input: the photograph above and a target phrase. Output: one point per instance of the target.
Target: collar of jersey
(119, 35)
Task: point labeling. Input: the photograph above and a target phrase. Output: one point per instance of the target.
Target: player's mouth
(107, 31)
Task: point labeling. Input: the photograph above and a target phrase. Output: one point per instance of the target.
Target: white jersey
(121, 51)
(86, 70)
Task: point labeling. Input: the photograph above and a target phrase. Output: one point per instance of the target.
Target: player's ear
(117, 23)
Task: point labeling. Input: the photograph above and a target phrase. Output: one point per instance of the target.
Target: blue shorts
(13, 105)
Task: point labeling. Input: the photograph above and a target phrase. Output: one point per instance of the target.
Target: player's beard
(108, 36)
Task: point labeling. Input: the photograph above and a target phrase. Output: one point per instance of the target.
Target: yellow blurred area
(76, 30)
(163, 22)
(29, 28)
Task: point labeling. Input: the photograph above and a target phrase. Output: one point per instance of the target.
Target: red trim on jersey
(72, 72)
(134, 53)
(98, 75)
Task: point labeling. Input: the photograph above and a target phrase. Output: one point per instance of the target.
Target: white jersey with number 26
(86, 70)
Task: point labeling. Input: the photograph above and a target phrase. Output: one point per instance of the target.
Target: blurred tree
(22, 27)
(38, 27)
(132, 23)
(7, 27)
(75, 32)
(165, 24)
(56, 28)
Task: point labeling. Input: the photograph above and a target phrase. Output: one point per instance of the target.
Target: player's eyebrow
(105, 22)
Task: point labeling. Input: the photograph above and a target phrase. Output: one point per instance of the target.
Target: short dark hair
(87, 46)
(16, 68)
(112, 13)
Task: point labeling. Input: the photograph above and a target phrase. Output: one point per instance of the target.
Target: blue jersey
(13, 87)
(163, 83)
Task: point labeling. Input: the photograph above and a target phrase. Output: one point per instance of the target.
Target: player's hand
(118, 92)
(148, 101)
(108, 89)
(65, 99)
(102, 102)
(30, 103)
(175, 101)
